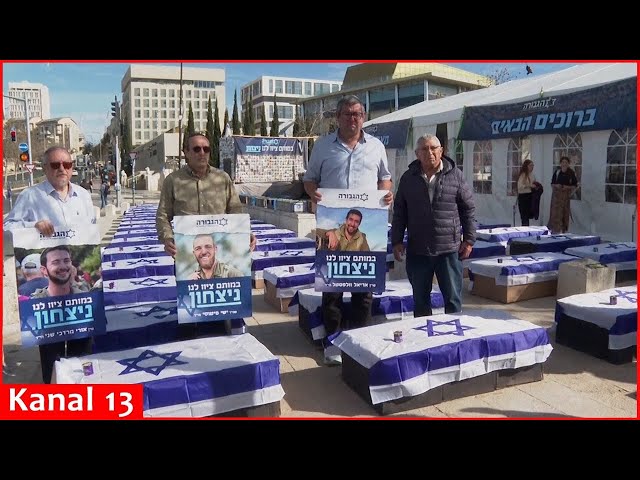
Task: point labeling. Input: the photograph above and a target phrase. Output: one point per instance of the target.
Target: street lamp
(26, 113)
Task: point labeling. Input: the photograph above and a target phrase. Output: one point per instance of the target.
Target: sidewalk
(574, 384)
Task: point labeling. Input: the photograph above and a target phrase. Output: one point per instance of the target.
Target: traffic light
(24, 157)
(13, 135)
(114, 109)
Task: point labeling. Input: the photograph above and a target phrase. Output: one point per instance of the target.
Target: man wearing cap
(34, 279)
(54, 202)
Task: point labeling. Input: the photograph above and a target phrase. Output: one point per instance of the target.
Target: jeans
(358, 315)
(448, 270)
(50, 352)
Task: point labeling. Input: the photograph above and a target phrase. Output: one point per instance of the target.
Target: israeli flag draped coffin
(557, 243)
(289, 243)
(394, 303)
(276, 258)
(621, 319)
(441, 349)
(520, 269)
(482, 249)
(290, 278)
(504, 234)
(195, 378)
(274, 233)
(619, 256)
(46, 317)
(111, 253)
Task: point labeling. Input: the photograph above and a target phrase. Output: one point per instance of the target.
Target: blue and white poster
(351, 241)
(213, 267)
(59, 284)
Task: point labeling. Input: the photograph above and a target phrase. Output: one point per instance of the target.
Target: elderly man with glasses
(54, 202)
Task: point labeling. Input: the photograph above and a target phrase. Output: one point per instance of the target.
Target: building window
(410, 94)
(292, 87)
(196, 94)
(271, 85)
(163, 92)
(307, 88)
(172, 93)
(145, 103)
(187, 93)
(154, 92)
(136, 103)
(164, 125)
(620, 181)
(569, 145)
(136, 92)
(439, 91)
(382, 101)
(321, 88)
(145, 92)
(255, 88)
(278, 86)
(138, 124)
(482, 160)
(518, 151)
(335, 87)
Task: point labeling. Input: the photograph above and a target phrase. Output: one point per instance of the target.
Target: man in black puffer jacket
(432, 202)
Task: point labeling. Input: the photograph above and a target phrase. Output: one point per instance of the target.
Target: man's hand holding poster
(213, 267)
(351, 240)
(59, 296)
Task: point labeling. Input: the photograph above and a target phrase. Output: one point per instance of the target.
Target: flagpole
(180, 122)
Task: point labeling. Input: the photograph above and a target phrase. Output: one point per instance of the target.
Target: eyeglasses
(425, 149)
(56, 165)
(353, 114)
(204, 149)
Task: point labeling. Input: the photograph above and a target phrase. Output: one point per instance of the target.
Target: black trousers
(51, 352)
(524, 205)
(358, 315)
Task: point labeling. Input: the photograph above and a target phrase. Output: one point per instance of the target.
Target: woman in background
(526, 185)
(563, 182)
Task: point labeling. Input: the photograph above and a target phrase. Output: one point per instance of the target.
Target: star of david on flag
(167, 359)
(459, 329)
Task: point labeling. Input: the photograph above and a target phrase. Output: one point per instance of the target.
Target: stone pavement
(574, 385)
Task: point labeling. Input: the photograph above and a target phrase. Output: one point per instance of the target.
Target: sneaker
(332, 355)
(332, 360)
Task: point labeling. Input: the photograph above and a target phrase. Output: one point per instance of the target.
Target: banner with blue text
(610, 106)
(213, 267)
(55, 278)
(391, 134)
(351, 239)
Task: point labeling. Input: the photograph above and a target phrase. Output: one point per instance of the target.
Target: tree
(245, 119)
(251, 117)
(500, 76)
(210, 132)
(299, 124)
(215, 146)
(263, 121)
(88, 148)
(190, 130)
(235, 119)
(226, 118)
(275, 123)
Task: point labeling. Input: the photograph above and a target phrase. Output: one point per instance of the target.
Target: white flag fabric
(288, 279)
(520, 269)
(441, 349)
(558, 243)
(275, 258)
(127, 291)
(617, 255)
(504, 234)
(193, 378)
(621, 319)
(396, 302)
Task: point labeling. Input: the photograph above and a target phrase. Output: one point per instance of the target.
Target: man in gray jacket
(432, 202)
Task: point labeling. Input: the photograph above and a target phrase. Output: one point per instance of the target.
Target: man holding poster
(51, 207)
(350, 159)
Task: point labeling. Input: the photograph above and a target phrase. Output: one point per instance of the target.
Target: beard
(58, 280)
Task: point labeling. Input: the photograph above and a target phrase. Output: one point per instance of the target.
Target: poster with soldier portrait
(213, 267)
(351, 241)
(59, 285)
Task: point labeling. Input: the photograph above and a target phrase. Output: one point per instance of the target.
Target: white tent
(592, 213)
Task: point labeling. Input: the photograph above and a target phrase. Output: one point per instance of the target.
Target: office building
(387, 87)
(37, 97)
(286, 92)
(151, 99)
